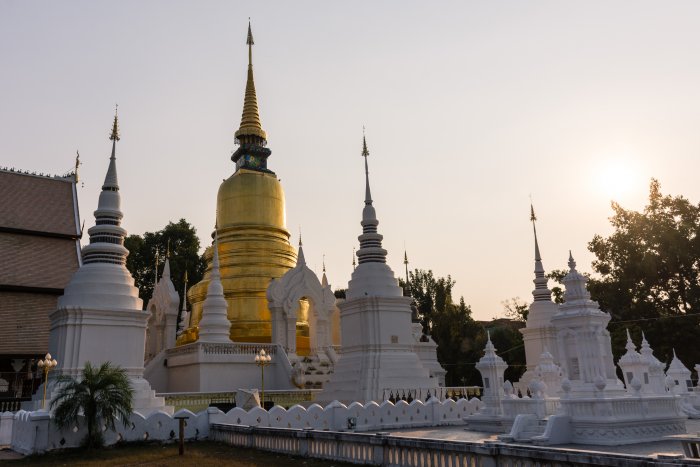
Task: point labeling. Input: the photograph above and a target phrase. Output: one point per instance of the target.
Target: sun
(617, 177)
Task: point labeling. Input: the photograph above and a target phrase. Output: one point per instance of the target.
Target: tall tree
(181, 240)
(450, 325)
(649, 271)
(431, 294)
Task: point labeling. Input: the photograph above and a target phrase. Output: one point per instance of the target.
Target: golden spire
(251, 130)
(115, 126)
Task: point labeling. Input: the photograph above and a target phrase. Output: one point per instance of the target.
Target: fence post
(303, 442)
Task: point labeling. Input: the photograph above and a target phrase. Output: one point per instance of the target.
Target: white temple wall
(35, 432)
(224, 367)
(73, 344)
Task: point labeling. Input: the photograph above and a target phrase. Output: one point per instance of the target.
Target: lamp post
(262, 359)
(47, 364)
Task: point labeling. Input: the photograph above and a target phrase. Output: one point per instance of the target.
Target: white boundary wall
(35, 432)
(370, 416)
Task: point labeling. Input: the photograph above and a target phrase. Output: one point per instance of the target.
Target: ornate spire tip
(115, 126)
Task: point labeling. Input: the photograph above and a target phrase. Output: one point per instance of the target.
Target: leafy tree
(508, 340)
(181, 238)
(516, 309)
(431, 294)
(103, 394)
(557, 291)
(340, 293)
(451, 326)
(649, 271)
(456, 332)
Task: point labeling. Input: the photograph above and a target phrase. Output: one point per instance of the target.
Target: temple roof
(45, 205)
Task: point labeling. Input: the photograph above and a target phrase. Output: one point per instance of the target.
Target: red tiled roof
(37, 203)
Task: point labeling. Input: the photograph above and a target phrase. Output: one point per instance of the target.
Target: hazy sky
(470, 108)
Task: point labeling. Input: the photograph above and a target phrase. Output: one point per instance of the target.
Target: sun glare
(617, 177)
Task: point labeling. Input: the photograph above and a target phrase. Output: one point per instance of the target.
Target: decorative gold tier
(253, 249)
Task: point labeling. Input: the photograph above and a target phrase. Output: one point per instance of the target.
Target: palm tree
(103, 394)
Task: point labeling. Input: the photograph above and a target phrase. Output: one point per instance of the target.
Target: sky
(471, 109)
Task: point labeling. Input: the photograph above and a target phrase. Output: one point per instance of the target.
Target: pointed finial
(354, 264)
(324, 263)
(250, 130)
(674, 353)
(365, 153)
(488, 335)
(249, 39)
(630, 345)
(644, 339)
(572, 263)
(167, 250)
(155, 276)
(115, 126)
(300, 255)
(77, 165)
(405, 262)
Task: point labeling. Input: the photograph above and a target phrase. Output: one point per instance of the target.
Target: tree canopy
(460, 339)
(649, 272)
(183, 243)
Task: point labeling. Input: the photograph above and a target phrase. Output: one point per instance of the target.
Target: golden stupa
(253, 239)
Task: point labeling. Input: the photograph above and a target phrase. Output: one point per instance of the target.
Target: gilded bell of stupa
(252, 234)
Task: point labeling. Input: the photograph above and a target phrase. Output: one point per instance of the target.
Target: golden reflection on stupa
(253, 238)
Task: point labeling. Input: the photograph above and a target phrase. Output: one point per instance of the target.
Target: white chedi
(635, 367)
(678, 377)
(100, 309)
(215, 327)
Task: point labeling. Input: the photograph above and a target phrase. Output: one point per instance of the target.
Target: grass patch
(198, 453)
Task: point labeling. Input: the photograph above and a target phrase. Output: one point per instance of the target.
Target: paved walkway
(460, 433)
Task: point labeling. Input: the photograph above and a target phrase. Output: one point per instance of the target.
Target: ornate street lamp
(262, 359)
(47, 364)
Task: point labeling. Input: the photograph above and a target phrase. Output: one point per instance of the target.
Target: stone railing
(385, 450)
(234, 348)
(11, 405)
(621, 408)
(408, 394)
(525, 405)
(290, 398)
(197, 401)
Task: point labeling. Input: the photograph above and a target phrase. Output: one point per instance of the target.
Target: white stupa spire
(214, 325)
(324, 279)
(541, 292)
(371, 250)
(300, 254)
(107, 236)
(575, 284)
(631, 356)
(184, 314)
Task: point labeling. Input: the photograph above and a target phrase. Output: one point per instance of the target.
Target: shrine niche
(301, 309)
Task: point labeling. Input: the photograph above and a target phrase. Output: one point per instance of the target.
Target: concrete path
(459, 433)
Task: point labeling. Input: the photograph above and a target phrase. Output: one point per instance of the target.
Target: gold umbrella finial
(250, 131)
